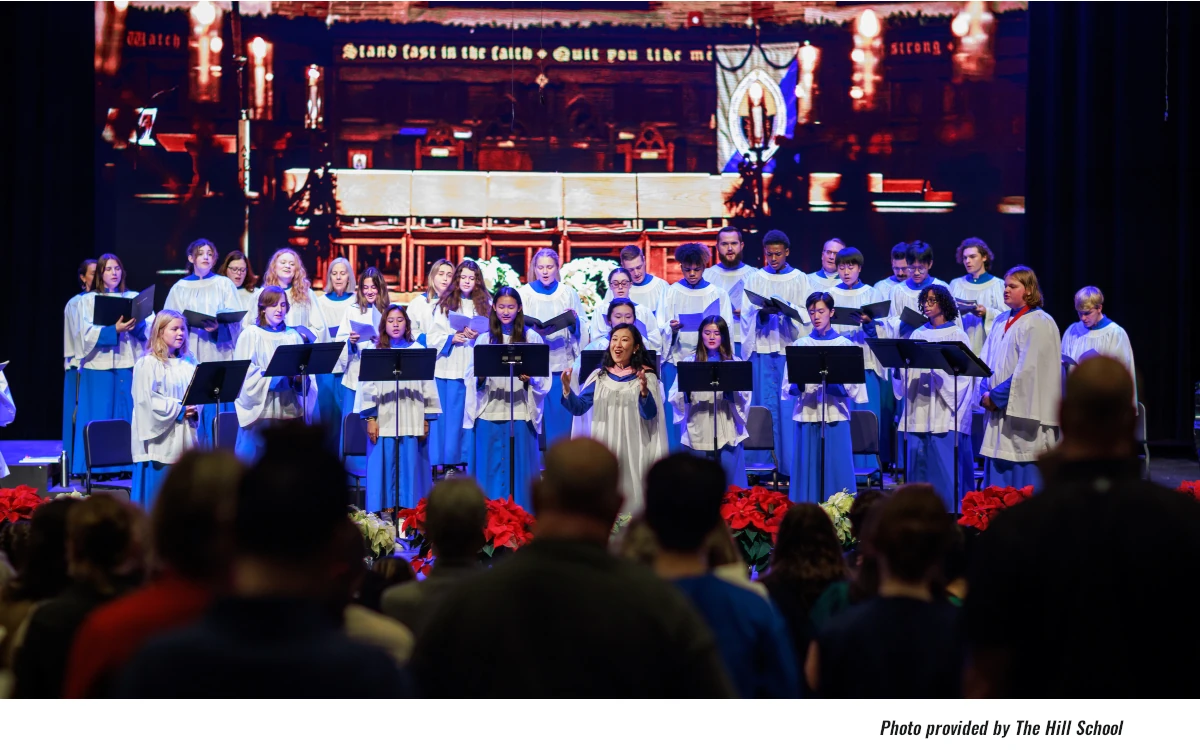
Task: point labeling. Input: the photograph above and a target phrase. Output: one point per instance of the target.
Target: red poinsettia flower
(1190, 488)
(979, 508)
(775, 518)
(422, 565)
(742, 513)
(413, 518)
(19, 502)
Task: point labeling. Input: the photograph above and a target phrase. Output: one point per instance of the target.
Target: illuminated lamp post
(973, 60)
(110, 35)
(868, 44)
(262, 59)
(205, 48)
(806, 87)
(314, 111)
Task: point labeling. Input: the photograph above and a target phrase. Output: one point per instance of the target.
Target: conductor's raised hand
(566, 381)
(642, 383)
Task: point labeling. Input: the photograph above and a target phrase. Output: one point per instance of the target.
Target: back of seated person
(683, 502)
(905, 642)
(276, 634)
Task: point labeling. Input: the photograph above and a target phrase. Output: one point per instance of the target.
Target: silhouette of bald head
(580, 479)
(1097, 407)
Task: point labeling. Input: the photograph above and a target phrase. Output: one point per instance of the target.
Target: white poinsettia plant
(589, 278)
(497, 273)
(837, 507)
(379, 534)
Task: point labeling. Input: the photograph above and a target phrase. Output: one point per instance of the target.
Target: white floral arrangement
(379, 534)
(497, 273)
(589, 278)
(837, 507)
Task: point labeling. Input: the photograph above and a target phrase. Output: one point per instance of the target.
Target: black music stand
(216, 382)
(958, 361)
(499, 360)
(715, 376)
(381, 365)
(291, 360)
(840, 365)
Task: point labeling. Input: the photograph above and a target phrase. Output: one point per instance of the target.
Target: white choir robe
(879, 404)
(332, 310)
(486, 412)
(211, 295)
(904, 295)
(449, 442)
(652, 338)
(650, 293)
(727, 279)
(420, 315)
(351, 357)
(8, 412)
(988, 291)
(105, 360)
(1027, 380)
(308, 315)
(618, 422)
(810, 407)
(159, 432)
(858, 297)
(581, 424)
(247, 299)
(928, 416)
(818, 281)
(265, 400)
(400, 415)
(695, 410)
(885, 287)
(1107, 338)
(767, 345)
(681, 347)
(564, 345)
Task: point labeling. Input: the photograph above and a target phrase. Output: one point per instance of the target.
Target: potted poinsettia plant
(980, 507)
(18, 503)
(837, 507)
(509, 527)
(378, 534)
(753, 516)
(1189, 488)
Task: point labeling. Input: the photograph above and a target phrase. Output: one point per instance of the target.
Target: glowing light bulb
(204, 13)
(868, 24)
(121, 5)
(216, 45)
(313, 74)
(258, 47)
(808, 54)
(961, 24)
(756, 93)
(858, 55)
(856, 93)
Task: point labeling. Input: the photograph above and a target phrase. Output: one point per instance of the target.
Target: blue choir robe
(987, 290)
(106, 361)
(683, 299)
(449, 443)
(266, 400)
(632, 427)
(543, 303)
(159, 433)
(770, 336)
(928, 419)
(1026, 386)
(398, 470)
(330, 406)
(811, 407)
(486, 417)
(695, 411)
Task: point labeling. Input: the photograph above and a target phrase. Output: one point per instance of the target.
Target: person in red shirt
(187, 525)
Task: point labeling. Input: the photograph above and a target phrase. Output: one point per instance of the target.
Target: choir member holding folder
(163, 429)
(397, 414)
(465, 299)
(112, 336)
(979, 295)
(904, 296)
(688, 302)
(358, 326)
(86, 272)
(625, 400)
(773, 328)
(490, 401)
(929, 408)
(812, 406)
(730, 274)
(1096, 334)
(265, 401)
(304, 314)
(556, 313)
(695, 410)
(236, 267)
(1023, 350)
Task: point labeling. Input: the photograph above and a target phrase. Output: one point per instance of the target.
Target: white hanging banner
(756, 100)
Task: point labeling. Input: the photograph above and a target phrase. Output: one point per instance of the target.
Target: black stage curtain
(1112, 183)
(48, 197)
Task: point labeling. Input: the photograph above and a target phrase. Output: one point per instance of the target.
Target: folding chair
(864, 439)
(225, 430)
(354, 443)
(106, 443)
(761, 438)
(1140, 439)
